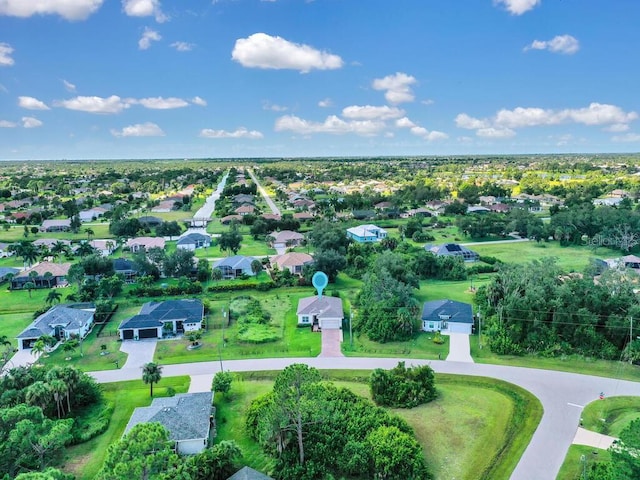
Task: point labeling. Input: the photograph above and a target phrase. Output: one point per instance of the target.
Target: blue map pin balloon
(320, 281)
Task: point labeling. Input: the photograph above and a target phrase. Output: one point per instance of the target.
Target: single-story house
(608, 201)
(243, 198)
(187, 417)
(294, 261)
(178, 316)
(145, 243)
(191, 241)
(104, 247)
(50, 242)
(126, 268)
(303, 216)
(248, 473)
(285, 238)
(57, 278)
(245, 210)
(478, 209)
(61, 322)
(447, 315)
(272, 216)
(91, 214)
(56, 225)
(230, 218)
(164, 206)
(4, 250)
(366, 233)
(150, 221)
(416, 212)
(234, 267)
(320, 312)
(453, 250)
(5, 272)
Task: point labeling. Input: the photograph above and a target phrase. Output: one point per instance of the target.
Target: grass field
(16, 233)
(577, 458)
(11, 324)
(488, 434)
(611, 415)
(85, 460)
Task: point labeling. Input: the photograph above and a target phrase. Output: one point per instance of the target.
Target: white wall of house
(192, 327)
(191, 447)
(430, 326)
(82, 331)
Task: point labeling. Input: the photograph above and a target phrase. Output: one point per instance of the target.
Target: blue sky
(101, 79)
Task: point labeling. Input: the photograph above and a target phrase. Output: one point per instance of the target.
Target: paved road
(562, 395)
(263, 192)
(515, 240)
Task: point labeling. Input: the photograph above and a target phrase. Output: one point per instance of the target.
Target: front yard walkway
(459, 348)
(139, 352)
(331, 339)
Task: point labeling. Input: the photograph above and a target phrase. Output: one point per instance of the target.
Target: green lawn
(16, 233)
(611, 415)
(85, 460)
(485, 423)
(577, 457)
(11, 324)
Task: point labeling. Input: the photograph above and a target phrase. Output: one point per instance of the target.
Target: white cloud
(491, 132)
(112, 104)
(239, 133)
(148, 36)
(160, 103)
(427, 135)
(397, 86)
(517, 7)
(565, 44)
(31, 103)
(68, 9)
(199, 101)
(31, 122)
(629, 137)
(183, 46)
(7, 124)
(69, 86)
(273, 107)
(327, 102)
(404, 122)
(428, 101)
(369, 112)
(503, 123)
(5, 55)
(147, 129)
(265, 51)
(332, 125)
(144, 8)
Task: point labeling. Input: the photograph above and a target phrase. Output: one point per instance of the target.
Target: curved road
(562, 395)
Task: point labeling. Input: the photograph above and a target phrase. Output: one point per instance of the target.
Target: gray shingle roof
(237, 262)
(325, 307)
(186, 416)
(248, 473)
(60, 315)
(457, 312)
(152, 314)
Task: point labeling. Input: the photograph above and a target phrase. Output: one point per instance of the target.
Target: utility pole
(480, 330)
(350, 329)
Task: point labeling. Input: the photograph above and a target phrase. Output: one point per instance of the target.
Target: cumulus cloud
(5, 55)
(430, 136)
(332, 125)
(369, 112)
(31, 103)
(160, 103)
(182, 46)
(517, 7)
(144, 8)
(70, 87)
(265, 51)
(404, 122)
(565, 44)
(147, 129)
(629, 137)
(112, 104)
(239, 133)
(199, 101)
(148, 36)
(327, 102)
(397, 87)
(68, 9)
(266, 105)
(7, 124)
(503, 123)
(31, 122)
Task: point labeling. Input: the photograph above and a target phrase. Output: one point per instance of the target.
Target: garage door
(459, 327)
(330, 323)
(148, 333)
(127, 334)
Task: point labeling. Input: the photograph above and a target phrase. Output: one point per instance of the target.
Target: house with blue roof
(234, 267)
(60, 322)
(176, 316)
(447, 316)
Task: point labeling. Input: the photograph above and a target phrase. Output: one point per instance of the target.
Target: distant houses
(285, 239)
(41, 278)
(56, 226)
(366, 233)
(294, 262)
(192, 241)
(234, 267)
(144, 243)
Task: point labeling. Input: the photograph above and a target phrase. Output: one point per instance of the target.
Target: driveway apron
(459, 348)
(331, 339)
(139, 352)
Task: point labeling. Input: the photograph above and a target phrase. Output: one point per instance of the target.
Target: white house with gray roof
(60, 322)
(320, 312)
(187, 417)
(234, 267)
(447, 316)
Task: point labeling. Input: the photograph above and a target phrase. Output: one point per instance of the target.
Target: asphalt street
(561, 394)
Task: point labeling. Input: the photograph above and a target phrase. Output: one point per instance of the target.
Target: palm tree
(27, 251)
(59, 248)
(151, 373)
(54, 296)
(59, 389)
(70, 346)
(85, 249)
(38, 394)
(29, 286)
(48, 277)
(256, 266)
(71, 377)
(89, 232)
(38, 348)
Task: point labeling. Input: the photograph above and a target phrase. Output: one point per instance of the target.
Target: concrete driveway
(459, 348)
(331, 339)
(22, 358)
(139, 352)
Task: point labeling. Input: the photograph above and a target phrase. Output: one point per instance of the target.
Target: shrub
(403, 387)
